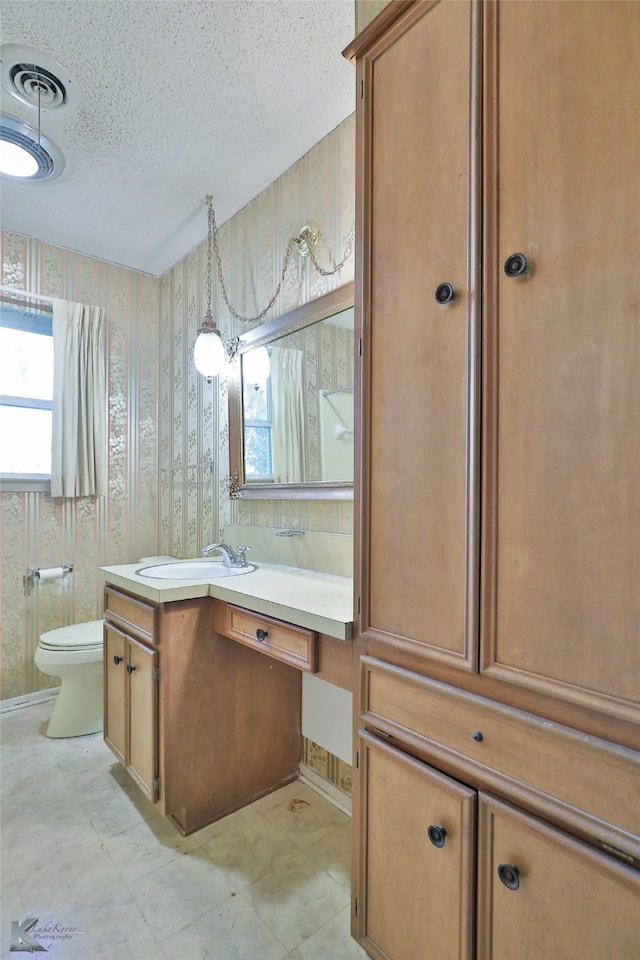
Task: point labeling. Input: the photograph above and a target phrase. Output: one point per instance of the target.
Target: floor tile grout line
(272, 816)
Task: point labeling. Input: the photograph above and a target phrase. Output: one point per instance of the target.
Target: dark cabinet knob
(261, 634)
(437, 835)
(130, 668)
(515, 265)
(509, 875)
(477, 736)
(117, 660)
(444, 293)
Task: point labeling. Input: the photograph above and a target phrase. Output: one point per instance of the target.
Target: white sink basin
(193, 570)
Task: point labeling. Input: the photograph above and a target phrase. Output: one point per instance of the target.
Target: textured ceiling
(177, 99)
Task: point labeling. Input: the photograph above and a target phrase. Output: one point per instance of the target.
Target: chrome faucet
(231, 557)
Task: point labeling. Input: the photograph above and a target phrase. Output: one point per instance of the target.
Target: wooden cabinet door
(142, 754)
(416, 201)
(114, 691)
(562, 350)
(415, 899)
(571, 901)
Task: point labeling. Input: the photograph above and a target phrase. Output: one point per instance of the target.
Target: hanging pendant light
(209, 353)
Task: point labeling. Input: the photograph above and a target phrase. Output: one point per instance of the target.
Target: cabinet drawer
(580, 780)
(132, 614)
(284, 641)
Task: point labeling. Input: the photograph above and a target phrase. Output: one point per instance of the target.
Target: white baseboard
(28, 699)
(325, 788)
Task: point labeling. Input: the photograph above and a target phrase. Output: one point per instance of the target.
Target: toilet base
(78, 708)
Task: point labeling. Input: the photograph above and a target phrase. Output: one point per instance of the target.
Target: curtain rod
(25, 295)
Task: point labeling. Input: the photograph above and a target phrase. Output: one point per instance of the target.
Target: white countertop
(308, 598)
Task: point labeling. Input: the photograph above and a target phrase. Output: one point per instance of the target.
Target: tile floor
(82, 849)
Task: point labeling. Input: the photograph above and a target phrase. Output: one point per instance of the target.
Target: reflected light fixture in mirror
(256, 366)
(210, 351)
(291, 424)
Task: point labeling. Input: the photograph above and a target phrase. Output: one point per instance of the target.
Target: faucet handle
(240, 556)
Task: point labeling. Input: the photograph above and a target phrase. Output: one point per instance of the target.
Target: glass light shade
(25, 153)
(209, 354)
(16, 161)
(256, 366)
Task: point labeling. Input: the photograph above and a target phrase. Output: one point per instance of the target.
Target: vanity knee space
(204, 699)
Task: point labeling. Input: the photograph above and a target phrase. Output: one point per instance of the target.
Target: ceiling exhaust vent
(35, 78)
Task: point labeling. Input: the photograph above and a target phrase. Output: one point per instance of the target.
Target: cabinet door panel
(562, 517)
(571, 900)
(417, 354)
(143, 717)
(417, 899)
(114, 691)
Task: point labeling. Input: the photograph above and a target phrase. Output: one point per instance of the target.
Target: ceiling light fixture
(25, 154)
(210, 352)
(41, 83)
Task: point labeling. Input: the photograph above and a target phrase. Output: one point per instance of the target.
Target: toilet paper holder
(34, 575)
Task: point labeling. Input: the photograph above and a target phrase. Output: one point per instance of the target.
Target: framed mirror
(291, 413)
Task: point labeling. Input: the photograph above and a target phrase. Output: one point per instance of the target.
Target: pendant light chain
(211, 223)
(338, 266)
(293, 242)
(39, 95)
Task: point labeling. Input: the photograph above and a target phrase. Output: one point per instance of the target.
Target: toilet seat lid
(77, 636)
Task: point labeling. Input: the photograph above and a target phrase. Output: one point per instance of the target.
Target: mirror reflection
(291, 404)
(297, 404)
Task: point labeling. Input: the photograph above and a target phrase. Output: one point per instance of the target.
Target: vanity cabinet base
(235, 728)
(226, 723)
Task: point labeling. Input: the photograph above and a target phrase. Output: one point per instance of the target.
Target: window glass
(26, 440)
(258, 457)
(257, 452)
(26, 364)
(26, 392)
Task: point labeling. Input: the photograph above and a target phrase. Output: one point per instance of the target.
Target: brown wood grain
(418, 356)
(335, 661)
(294, 645)
(572, 901)
(222, 724)
(561, 594)
(114, 690)
(551, 767)
(401, 860)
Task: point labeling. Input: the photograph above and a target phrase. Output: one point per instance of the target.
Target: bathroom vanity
(203, 681)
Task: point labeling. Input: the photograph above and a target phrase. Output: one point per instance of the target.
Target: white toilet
(74, 654)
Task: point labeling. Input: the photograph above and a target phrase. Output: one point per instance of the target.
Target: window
(258, 459)
(26, 392)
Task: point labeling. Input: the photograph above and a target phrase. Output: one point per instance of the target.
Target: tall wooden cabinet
(498, 480)
(419, 356)
(561, 501)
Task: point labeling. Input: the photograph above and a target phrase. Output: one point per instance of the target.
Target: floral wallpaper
(168, 429)
(37, 530)
(194, 429)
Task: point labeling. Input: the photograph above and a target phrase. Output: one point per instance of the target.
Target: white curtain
(79, 441)
(288, 415)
